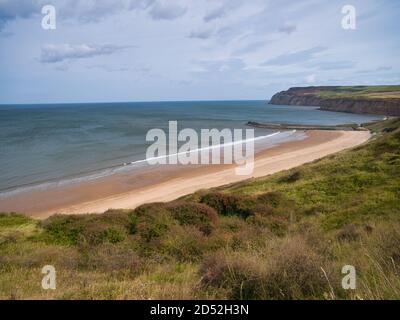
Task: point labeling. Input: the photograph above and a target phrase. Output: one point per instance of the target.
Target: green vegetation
(359, 92)
(285, 236)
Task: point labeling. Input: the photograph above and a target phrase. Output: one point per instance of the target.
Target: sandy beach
(166, 183)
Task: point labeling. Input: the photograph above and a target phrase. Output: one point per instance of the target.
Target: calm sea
(40, 143)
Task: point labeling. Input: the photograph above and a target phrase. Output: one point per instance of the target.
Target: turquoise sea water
(40, 143)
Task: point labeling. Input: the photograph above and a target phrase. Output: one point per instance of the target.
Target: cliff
(382, 100)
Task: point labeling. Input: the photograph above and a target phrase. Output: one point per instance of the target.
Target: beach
(166, 183)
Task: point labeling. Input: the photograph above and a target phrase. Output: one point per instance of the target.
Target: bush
(150, 221)
(112, 258)
(278, 224)
(294, 272)
(229, 205)
(274, 199)
(240, 276)
(195, 214)
(185, 243)
(290, 177)
(348, 233)
(92, 229)
(388, 244)
(263, 209)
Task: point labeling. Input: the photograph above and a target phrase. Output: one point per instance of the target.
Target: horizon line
(135, 101)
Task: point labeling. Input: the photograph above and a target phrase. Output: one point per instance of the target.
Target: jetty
(281, 126)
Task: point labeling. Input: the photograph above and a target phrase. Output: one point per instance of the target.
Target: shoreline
(137, 164)
(166, 183)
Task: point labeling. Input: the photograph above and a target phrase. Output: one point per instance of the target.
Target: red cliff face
(308, 97)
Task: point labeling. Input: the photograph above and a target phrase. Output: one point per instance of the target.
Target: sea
(42, 144)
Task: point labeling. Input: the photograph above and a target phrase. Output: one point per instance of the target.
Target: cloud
(81, 10)
(89, 11)
(221, 65)
(95, 10)
(202, 34)
(108, 68)
(251, 47)
(295, 57)
(288, 28)
(333, 65)
(13, 9)
(222, 10)
(166, 11)
(379, 69)
(53, 53)
(384, 68)
(215, 14)
(6, 34)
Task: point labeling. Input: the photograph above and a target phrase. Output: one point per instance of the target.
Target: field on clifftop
(358, 92)
(285, 236)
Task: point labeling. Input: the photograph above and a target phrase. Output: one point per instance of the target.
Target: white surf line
(207, 148)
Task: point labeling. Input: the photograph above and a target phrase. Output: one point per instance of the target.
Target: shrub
(113, 235)
(92, 229)
(274, 199)
(314, 210)
(291, 271)
(229, 205)
(290, 177)
(263, 209)
(195, 214)
(348, 233)
(63, 229)
(294, 272)
(111, 258)
(150, 221)
(388, 244)
(278, 224)
(250, 236)
(185, 243)
(240, 276)
(213, 269)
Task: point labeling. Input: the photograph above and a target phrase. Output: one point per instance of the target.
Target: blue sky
(150, 50)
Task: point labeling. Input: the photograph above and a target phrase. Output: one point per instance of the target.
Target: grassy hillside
(286, 236)
(359, 92)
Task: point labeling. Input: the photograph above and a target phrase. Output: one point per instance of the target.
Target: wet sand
(166, 183)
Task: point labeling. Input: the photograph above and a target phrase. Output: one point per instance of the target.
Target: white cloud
(89, 11)
(162, 10)
(53, 53)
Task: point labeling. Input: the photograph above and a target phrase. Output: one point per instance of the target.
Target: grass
(360, 92)
(285, 236)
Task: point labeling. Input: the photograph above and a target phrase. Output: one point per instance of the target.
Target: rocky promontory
(381, 100)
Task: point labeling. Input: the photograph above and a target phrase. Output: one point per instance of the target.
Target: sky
(160, 50)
